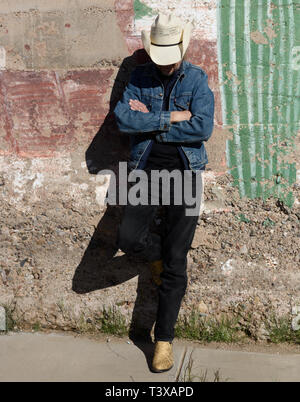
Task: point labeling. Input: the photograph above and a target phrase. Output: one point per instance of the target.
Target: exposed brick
(85, 93)
(126, 21)
(204, 54)
(43, 115)
(39, 123)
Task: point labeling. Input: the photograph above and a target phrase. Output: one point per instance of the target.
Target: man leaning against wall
(167, 110)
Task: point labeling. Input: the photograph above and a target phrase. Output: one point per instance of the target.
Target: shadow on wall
(99, 269)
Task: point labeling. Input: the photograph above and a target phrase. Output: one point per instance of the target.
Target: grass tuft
(280, 331)
(196, 327)
(36, 327)
(113, 322)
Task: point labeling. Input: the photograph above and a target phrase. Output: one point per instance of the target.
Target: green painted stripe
(264, 105)
(141, 10)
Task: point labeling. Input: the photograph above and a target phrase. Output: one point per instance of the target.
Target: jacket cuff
(165, 121)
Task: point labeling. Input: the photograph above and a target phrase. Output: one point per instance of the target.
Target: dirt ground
(59, 267)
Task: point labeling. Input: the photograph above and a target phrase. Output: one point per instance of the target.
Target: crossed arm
(176, 116)
(187, 126)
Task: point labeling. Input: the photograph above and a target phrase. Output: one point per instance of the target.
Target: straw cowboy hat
(168, 39)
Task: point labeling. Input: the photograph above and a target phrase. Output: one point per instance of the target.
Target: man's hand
(176, 117)
(138, 106)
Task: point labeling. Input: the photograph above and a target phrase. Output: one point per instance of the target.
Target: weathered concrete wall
(59, 34)
(250, 52)
(63, 66)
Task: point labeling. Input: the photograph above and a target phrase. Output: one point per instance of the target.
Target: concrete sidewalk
(55, 357)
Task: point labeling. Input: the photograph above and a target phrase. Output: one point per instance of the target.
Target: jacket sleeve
(200, 126)
(135, 122)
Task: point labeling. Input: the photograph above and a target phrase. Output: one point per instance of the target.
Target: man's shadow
(99, 268)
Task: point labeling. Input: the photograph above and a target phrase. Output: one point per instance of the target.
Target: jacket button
(160, 94)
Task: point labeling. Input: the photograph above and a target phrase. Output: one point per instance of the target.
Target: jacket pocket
(183, 101)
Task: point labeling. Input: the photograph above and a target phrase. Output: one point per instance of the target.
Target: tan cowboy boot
(156, 268)
(163, 357)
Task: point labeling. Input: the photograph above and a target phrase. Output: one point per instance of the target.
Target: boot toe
(163, 357)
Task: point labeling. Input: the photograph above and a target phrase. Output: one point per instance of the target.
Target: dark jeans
(135, 239)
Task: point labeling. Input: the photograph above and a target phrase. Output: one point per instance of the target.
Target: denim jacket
(190, 92)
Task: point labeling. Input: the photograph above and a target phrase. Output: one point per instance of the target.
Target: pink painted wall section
(38, 122)
(42, 114)
(47, 113)
(87, 95)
